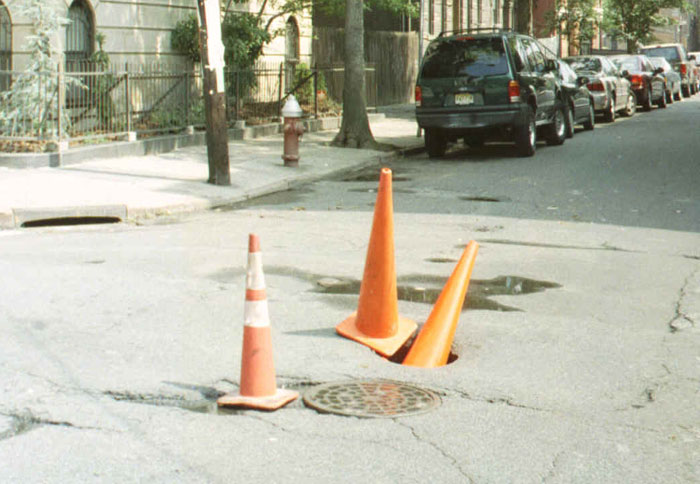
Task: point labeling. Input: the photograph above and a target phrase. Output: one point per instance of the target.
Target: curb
(19, 216)
(157, 145)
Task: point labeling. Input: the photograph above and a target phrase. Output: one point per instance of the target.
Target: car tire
(609, 114)
(647, 104)
(570, 122)
(686, 91)
(474, 141)
(589, 124)
(526, 135)
(555, 132)
(631, 106)
(661, 103)
(677, 96)
(669, 97)
(435, 143)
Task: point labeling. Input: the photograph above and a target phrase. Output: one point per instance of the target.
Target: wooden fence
(393, 54)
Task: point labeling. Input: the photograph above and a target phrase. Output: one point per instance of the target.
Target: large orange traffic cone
(431, 347)
(258, 387)
(377, 323)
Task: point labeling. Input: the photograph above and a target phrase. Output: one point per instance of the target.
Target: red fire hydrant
(293, 130)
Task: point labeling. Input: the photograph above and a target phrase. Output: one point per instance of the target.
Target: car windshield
(668, 53)
(590, 64)
(627, 63)
(465, 56)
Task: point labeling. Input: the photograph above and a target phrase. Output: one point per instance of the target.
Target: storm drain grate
(371, 398)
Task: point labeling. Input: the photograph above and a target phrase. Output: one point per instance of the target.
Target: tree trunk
(354, 130)
(214, 93)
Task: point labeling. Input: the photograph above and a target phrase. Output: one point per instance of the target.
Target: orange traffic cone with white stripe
(431, 347)
(258, 387)
(377, 323)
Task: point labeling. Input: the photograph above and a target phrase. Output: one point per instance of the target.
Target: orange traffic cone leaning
(258, 387)
(431, 347)
(377, 323)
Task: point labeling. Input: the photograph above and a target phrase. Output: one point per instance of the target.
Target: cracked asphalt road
(115, 342)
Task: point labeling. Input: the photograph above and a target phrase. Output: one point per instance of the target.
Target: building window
(80, 36)
(457, 13)
(5, 47)
(478, 13)
(496, 12)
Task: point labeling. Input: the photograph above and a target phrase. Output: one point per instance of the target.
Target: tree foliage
(29, 105)
(242, 35)
(574, 19)
(633, 20)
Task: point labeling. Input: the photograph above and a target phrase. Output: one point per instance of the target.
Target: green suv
(477, 85)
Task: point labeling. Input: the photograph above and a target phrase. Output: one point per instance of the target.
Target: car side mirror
(582, 81)
(625, 73)
(692, 57)
(659, 70)
(550, 65)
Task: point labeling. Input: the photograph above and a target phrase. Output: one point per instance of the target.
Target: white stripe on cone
(256, 314)
(255, 278)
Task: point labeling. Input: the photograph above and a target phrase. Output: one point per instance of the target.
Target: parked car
(577, 99)
(647, 81)
(672, 78)
(676, 55)
(475, 85)
(611, 92)
(697, 68)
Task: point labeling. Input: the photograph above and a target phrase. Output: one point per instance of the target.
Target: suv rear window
(465, 56)
(668, 53)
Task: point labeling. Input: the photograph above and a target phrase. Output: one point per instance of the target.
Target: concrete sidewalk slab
(168, 183)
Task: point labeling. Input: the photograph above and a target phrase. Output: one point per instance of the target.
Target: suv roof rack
(475, 30)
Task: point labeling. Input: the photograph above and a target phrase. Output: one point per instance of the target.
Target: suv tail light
(684, 69)
(514, 91)
(637, 80)
(596, 86)
(419, 95)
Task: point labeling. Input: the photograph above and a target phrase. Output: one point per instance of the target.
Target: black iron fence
(111, 102)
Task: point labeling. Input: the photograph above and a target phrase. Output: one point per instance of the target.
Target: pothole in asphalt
(371, 399)
(482, 199)
(478, 296)
(372, 175)
(414, 288)
(374, 190)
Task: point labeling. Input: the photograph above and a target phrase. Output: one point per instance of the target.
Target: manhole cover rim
(433, 399)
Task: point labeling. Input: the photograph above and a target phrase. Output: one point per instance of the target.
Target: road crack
(681, 320)
(437, 448)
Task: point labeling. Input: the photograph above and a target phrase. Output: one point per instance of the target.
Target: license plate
(464, 98)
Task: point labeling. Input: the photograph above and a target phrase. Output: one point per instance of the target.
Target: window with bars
(79, 36)
(5, 46)
(431, 17)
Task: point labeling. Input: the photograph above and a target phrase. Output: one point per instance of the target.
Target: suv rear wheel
(570, 122)
(555, 133)
(435, 143)
(589, 124)
(526, 135)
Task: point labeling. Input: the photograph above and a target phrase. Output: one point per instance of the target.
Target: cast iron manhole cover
(371, 398)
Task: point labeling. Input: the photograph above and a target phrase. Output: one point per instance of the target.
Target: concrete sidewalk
(134, 187)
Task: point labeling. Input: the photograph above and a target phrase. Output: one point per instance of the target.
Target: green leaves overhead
(633, 19)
